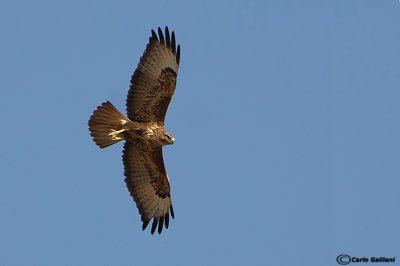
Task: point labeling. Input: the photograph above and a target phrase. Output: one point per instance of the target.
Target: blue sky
(286, 116)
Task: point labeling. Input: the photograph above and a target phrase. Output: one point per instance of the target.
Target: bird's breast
(148, 132)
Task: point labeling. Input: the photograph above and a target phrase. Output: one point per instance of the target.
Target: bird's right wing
(148, 184)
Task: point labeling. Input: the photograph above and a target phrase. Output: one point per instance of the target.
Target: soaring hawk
(151, 89)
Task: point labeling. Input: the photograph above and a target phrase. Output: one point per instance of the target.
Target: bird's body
(152, 86)
(143, 134)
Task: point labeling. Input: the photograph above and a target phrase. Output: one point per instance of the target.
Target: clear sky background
(286, 116)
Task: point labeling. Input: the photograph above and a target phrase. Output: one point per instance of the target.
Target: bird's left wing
(148, 184)
(153, 82)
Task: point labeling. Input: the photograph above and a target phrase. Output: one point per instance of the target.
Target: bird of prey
(151, 89)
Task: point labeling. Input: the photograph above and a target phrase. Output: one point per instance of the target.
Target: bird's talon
(113, 134)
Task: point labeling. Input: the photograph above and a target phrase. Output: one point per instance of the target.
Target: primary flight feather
(151, 89)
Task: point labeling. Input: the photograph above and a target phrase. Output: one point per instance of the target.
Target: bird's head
(168, 139)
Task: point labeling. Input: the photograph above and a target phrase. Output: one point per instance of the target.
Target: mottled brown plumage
(152, 86)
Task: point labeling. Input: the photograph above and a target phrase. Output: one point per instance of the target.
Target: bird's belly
(149, 135)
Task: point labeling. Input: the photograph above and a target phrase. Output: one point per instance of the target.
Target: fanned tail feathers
(103, 121)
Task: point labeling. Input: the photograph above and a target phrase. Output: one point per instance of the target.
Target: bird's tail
(105, 123)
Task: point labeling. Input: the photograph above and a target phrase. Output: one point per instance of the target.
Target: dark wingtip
(172, 212)
(160, 224)
(153, 36)
(167, 220)
(154, 225)
(178, 54)
(167, 37)
(160, 34)
(168, 40)
(173, 44)
(145, 224)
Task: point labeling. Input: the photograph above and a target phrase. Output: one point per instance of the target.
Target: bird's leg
(114, 134)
